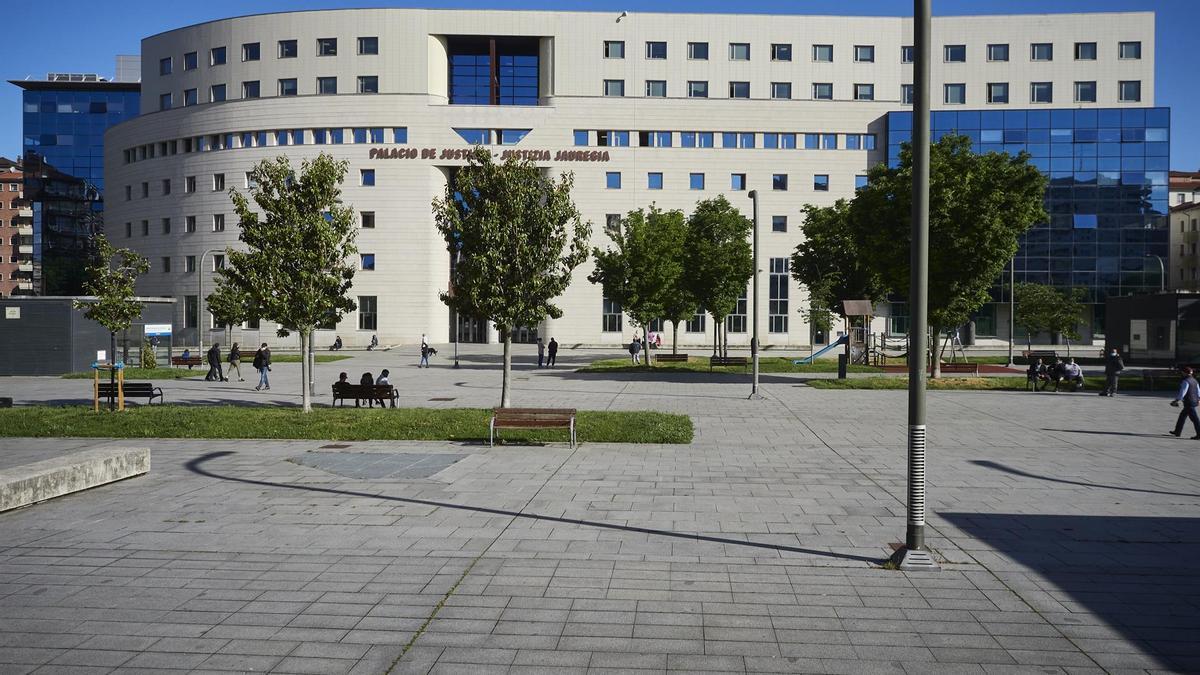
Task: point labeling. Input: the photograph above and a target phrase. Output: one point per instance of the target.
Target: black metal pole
(112, 370)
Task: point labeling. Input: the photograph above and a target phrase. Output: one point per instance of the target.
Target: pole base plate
(912, 560)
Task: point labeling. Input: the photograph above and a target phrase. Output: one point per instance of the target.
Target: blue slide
(840, 341)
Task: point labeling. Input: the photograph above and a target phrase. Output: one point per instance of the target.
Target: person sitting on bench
(1037, 373)
(187, 354)
(1071, 372)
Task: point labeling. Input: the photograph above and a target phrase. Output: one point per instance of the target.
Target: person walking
(1113, 365)
(635, 350)
(551, 352)
(214, 364)
(235, 362)
(1189, 396)
(262, 363)
(425, 351)
(541, 347)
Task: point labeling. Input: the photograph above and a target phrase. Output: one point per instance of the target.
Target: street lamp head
(753, 194)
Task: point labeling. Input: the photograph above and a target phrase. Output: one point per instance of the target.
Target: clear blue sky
(79, 36)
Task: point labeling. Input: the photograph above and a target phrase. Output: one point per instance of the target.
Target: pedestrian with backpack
(1189, 396)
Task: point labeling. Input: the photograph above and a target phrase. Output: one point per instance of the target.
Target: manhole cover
(376, 465)
(442, 398)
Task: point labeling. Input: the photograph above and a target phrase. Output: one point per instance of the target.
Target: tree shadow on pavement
(1018, 472)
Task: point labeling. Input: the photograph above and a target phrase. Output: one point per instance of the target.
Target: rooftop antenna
(623, 15)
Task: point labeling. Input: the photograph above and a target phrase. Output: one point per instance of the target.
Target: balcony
(25, 249)
(25, 266)
(25, 229)
(25, 212)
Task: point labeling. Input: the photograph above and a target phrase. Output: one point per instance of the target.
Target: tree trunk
(716, 339)
(938, 350)
(1067, 339)
(504, 397)
(112, 371)
(305, 398)
(674, 337)
(311, 355)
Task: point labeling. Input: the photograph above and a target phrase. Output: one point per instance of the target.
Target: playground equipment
(119, 367)
(807, 360)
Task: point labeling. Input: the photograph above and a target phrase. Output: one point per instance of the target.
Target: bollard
(842, 361)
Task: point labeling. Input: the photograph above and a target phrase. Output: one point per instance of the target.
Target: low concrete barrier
(39, 481)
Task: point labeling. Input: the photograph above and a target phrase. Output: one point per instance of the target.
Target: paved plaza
(1067, 527)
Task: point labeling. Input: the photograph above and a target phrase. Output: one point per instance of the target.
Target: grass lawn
(699, 364)
(144, 374)
(1016, 383)
(334, 424)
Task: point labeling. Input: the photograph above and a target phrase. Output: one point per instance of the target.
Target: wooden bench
(189, 361)
(742, 361)
(960, 368)
(145, 390)
(360, 393)
(531, 418)
(1047, 356)
(671, 358)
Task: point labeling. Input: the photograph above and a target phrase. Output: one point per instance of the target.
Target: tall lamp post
(754, 313)
(914, 555)
(1012, 308)
(1162, 272)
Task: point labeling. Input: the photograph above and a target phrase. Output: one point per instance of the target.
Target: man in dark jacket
(551, 352)
(1113, 365)
(1189, 396)
(214, 364)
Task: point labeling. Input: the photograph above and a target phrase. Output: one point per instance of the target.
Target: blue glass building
(64, 120)
(1107, 194)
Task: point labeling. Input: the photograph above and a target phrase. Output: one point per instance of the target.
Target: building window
(732, 139)
(698, 51)
(655, 139)
(906, 94)
(864, 53)
(739, 90)
(779, 223)
(654, 181)
(821, 182)
(164, 101)
(165, 65)
(614, 87)
(781, 90)
(1085, 92)
(864, 92)
(189, 224)
(1129, 50)
(218, 262)
(189, 97)
(860, 141)
(907, 54)
(612, 139)
(326, 46)
(216, 56)
(860, 182)
(218, 222)
(1041, 51)
(786, 141)
(1085, 51)
(696, 323)
(737, 181)
(954, 53)
(614, 49)
(367, 220)
(697, 89)
(612, 180)
(656, 88)
(189, 61)
(218, 182)
(696, 181)
(997, 52)
(166, 226)
(739, 51)
(1041, 92)
(216, 93)
(610, 316)
(191, 310)
(250, 89)
(288, 49)
(656, 50)
(128, 230)
(145, 228)
(777, 305)
(166, 264)
(822, 91)
(955, 94)
(368, 84)
(189, 184)
(367, 311)
(781, 52)
(997, 92)
(366, 262)
(368, 46)
(366, 177)
(735, 321)
(581, 137)
(326, 85)
(287, 87)
(400, 135)
(822, 53)
(251, 51)
(145, 189)
(166, 186)
(779, 181)
(189, 264)
(1130, 91)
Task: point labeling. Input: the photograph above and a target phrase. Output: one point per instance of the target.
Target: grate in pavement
(335, 446)
(442, 398)
(378, 465)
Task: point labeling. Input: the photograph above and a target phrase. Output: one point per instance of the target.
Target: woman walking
(235, 362)
(262, 363)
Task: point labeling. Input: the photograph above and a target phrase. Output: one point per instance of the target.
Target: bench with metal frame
(742, 361)
(531, 418)
(361, 392)
(960, 368)
(145, 390)
(189, 361)
(671, 358)
(1047, 356)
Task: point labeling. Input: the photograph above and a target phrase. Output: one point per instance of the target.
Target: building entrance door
(466, 329)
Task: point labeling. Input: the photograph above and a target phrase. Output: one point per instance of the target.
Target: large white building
(670, 109)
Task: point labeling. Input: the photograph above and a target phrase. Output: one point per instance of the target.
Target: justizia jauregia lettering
(463, 153)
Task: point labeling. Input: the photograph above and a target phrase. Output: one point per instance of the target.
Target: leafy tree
(978, 206)
(297, 266)
(830, 264)
(644, 271)
(112, 279)
(230, 305)
(718, 258)
(1045, 309)
(520, 237)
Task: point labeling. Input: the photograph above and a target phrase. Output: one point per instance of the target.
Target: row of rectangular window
(258, 139)
(955, 93)
(366, 220)
(823, 53)
(740, 89)
(252, 51)
(737, 181)
(251, 89)
(729, 139)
